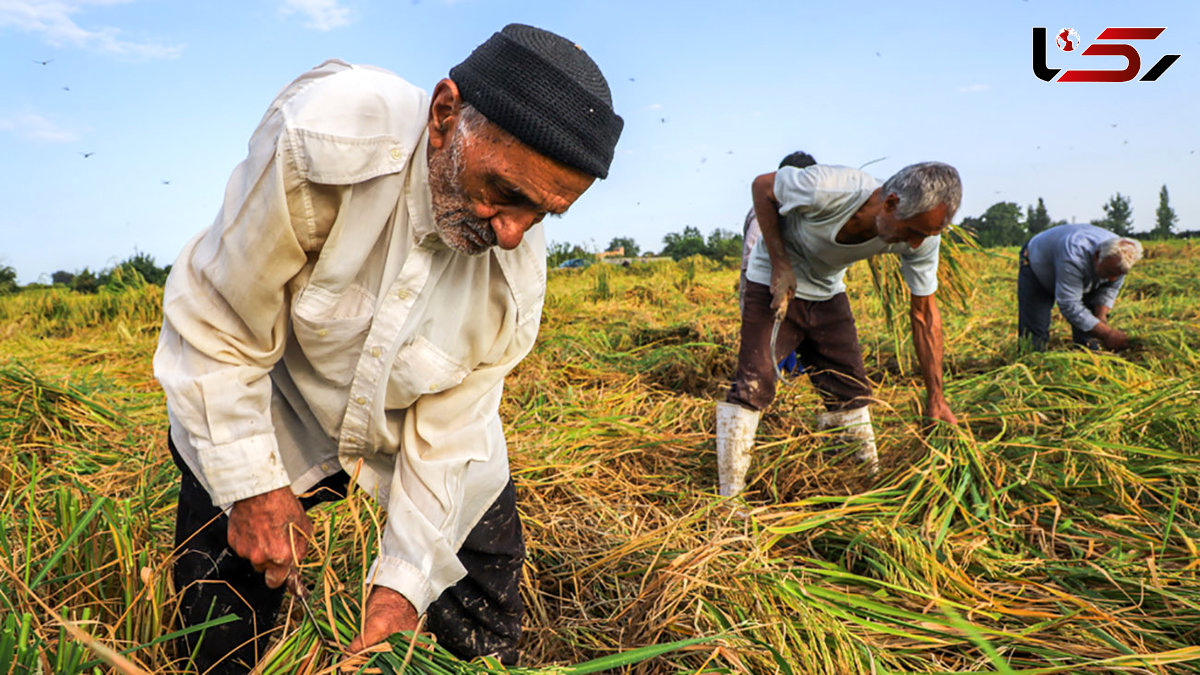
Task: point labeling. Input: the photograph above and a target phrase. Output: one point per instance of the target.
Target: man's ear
(891, 203)
(444, 113)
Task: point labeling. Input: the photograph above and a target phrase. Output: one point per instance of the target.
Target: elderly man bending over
(815, 223)
(376, 271)
(1080, 267)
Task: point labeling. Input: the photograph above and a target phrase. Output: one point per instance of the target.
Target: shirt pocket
(421, 368)
(330, 329)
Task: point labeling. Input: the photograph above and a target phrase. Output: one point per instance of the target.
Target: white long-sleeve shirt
(321, 321)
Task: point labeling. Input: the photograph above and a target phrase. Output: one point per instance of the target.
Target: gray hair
(1127, 251)
(470, 119)
(923, 186)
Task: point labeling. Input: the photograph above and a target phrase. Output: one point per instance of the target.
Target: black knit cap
(546, 91)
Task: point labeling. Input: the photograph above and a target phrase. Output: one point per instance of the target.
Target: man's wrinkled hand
(1115, 340)
(270, 530)
(783, 287)
(938, 410)
(387, 613)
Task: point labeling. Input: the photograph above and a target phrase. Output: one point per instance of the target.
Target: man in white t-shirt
(815, 222)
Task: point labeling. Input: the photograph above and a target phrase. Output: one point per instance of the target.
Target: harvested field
(1054, 531)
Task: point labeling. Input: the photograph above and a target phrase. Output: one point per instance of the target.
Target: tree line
(720, 245)
(138, 269)
(1004, 223)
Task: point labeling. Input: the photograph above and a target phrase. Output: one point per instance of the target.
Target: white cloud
(322, 14)
(53, 19)
(974, 88)
(35, 127)
(654, 106)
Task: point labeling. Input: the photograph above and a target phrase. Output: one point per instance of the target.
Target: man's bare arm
(927, 339)
(766, 211)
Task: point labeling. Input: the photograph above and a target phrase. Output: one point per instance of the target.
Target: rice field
(1054, 531)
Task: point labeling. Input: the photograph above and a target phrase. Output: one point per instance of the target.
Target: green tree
(62, 277)
(86, 281)
(556, 253)
(723, 244)
(1118, 216)
(684, 245)
(630, 246)
(143, 264)
(8, 280)
(1164, 217)
(1036, 218)
(1000, 225)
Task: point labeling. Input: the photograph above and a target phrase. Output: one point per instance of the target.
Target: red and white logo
(1110, 42)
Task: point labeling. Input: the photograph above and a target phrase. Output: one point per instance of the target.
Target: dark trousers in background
(479, 615)
(825, 340)
(1034, 305)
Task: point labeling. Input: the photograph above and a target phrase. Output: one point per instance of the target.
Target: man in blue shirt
(1081, 268)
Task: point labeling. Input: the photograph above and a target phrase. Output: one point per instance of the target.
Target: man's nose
(510, 226)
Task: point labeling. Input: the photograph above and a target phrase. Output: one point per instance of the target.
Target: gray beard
(456, 225)
(463, 232)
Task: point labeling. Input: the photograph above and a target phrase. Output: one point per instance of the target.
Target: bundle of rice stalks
(957, 272)
(36, 412)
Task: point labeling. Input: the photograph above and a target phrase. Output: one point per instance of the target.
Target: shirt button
(376, 351)
(360, 400)
(403, 294)
(323, 332)
(397, 153)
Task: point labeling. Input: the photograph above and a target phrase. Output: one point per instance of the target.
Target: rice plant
(1054, 531)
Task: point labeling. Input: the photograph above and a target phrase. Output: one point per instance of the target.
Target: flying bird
(166, 182)
(46, 62)
(66, 89)
(87, 154)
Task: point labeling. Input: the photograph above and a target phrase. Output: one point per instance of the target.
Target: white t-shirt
(814, 204)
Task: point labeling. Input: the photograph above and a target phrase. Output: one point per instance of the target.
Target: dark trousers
(825, 340)
(1034, 305)
(479, 615)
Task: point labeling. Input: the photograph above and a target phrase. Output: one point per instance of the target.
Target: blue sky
(166, 93)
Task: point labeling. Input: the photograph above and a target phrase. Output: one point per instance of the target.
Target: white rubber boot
(855, 428)
(735, 439)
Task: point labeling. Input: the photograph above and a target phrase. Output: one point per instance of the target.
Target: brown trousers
(825, 340)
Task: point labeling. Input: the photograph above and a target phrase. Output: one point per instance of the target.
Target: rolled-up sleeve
(452, 465)
(1068, 293)
(225, 324)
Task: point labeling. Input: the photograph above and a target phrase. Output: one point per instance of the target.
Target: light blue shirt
(1063, 258)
